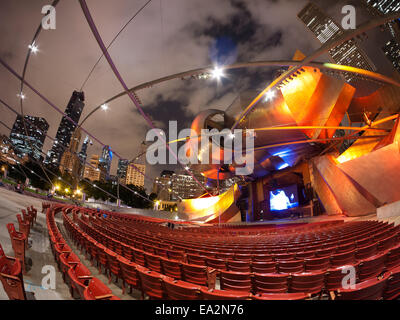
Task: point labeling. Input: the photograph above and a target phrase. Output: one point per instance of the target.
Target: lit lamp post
(4, 170)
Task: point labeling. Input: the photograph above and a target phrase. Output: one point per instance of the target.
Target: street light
(217, 73)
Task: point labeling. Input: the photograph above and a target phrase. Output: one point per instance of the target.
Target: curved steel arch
(348, 35)
(278, 63)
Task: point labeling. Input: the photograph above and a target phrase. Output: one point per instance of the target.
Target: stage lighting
(217, 73)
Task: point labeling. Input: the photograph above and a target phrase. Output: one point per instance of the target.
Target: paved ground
(38, 255)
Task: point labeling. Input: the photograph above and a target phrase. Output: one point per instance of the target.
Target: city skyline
(168, 98)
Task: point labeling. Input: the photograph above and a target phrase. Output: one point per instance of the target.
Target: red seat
(11, 277)
(151, 283)
(305, 255)
(236, 281)
(334, 276)
(371, 289)
(138, 256)
(196, 259)
(129, 273)
(24, 227)
(218, 264)
(214, 294)
(393, 258)
(18, 242)
(238, 266)
(308, 282)
(113, 265)
(284, 256)
(317, 264)
(68, 260)
(281, 296)
(392, 290)
(324, 252)
(97, 290)
(79, 277)
(270, 283)
(200, 275)
(263, 266)
(153, 262)
(290, 266)
(171, 268)
(371, 267)
(387, 242)
(342, 259)
(262, 257)
(180, 290)
(176, 255)
(366, 251)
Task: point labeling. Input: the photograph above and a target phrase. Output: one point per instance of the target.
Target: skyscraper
(122, 168)
(105, 160)
(135, 174)
(70, 161)
(31, 142)
(325, 29)
(66, 129)
(92, 172)
(162, 185)
(384, 6)
(392, 51)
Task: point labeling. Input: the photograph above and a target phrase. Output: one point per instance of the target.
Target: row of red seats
(156, 285)
(359, 237)
(74, 272)
(324, 258)
(13, 268)
(334, 277)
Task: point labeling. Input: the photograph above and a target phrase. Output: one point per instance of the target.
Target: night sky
(167, 37)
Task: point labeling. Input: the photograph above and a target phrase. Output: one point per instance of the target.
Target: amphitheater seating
(371, 289)
(236, 281)
(180, 290)
(24, 226)
(78, 278)
(263, 263)
(11, 277)
(18, 242)
(97, 290)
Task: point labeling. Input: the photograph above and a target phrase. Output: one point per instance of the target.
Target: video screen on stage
(283, 198)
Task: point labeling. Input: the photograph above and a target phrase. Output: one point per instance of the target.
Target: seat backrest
(194, 274)
(281, 296)
(215, 263)
(316, 264)
(392, 290)
(180, 290)
(171, 268)
(372, 266)
(310, 282)
(214, 294)
(290, 266)
(238, 266)
(96, 290)
(237, 281)
(151, 283)
(270, 282)
(263, 267)
(367, 290)
(196, 259)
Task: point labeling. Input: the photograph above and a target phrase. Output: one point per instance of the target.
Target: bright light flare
(104, 107)
(217, 73)
(34, 48)
(269, 96)
(21, 96)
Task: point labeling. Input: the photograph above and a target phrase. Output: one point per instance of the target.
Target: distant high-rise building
(29, 142)
(392, 52)
(384, 6)
(83, 153)
(162, 186)
(66, 129)
(324, 28)
(184, 186)
(122, 168)
(105, 160)
(92, 171)
(70, 161)
(135, 174)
